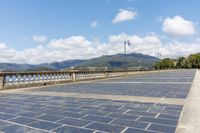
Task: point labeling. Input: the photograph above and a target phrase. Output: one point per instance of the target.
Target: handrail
(92, 71)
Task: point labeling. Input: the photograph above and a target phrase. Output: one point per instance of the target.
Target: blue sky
(62, 26)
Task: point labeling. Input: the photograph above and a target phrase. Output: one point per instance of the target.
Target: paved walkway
(190, 120)
(148, 103)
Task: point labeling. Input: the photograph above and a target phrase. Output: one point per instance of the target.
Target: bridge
(100, 102)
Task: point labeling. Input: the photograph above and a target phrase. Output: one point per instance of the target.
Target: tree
(182, 63)
(194, 60)
(166, 63)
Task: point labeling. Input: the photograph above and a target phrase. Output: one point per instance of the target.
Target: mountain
(110, 61)
(63, 64)
(14, 67)
(121, 61)
(41, 67)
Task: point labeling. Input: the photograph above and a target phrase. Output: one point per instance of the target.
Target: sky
(44, 31)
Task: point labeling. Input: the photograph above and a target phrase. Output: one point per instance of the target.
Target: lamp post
(125, 43)
(159, 55)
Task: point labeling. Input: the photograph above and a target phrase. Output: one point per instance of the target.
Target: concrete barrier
(12, 80)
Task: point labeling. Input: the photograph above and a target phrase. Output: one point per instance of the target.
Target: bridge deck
(139, 104)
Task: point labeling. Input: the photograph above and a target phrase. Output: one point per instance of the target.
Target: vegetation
(166, 63)
(192, 61)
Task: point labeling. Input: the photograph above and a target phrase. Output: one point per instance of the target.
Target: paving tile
(20, 129)
(141, 113)
(136, 108)
(44, 125)
(100, 132)
(134, 130)
(10, 111)
(69, 129)
(106, 127)
(113, 105)
(162, 128)
(173, 117)
(129, 123)
(34, 109)
(73, 110)
(53, 107)
(4, 124)
(159, 121)
(93, 112)
(123, 116)
(174, 107)
(23, 120)
(51, 118)
(71, 114)
(5, 116)
(29, 114)
(111, 109)
(164, 111)
(91, 107)
(98, 118)
(74, 122)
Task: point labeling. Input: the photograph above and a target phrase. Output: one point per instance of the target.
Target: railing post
(106, 74)
(1, 80)
(73, 76)
(125, 73)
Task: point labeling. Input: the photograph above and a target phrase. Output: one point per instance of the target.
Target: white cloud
(124, 15)
(79, 47)
(152, 44)
(94, 24)
(69, 43)
(40, 38)
(178, 26)
(6, 53)
(148, 44)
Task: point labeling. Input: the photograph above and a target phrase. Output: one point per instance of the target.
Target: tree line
(192, 61)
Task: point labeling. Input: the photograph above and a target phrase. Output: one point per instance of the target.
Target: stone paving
(23, 113)
(152, 85)
(84, 115)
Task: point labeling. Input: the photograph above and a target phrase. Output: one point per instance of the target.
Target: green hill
(117, 61)
(120, 61)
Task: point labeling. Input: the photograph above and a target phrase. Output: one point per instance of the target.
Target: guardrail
(10, 80)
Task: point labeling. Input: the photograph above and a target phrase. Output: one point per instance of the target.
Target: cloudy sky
(38, 31)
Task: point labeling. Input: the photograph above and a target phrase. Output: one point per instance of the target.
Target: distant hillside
(120, 61)
(14, 67)
(63, 64)
(39, 68)
(109, 61)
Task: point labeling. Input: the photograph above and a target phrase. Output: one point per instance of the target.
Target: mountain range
(116, 61)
